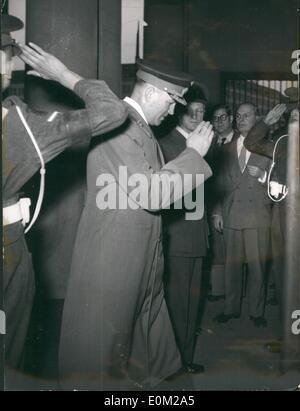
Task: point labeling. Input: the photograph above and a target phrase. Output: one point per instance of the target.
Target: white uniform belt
(17, 212)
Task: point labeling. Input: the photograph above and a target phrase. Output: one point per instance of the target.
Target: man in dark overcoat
(116, 329)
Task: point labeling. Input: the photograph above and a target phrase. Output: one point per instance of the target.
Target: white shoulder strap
(42, 170)
(285, 189)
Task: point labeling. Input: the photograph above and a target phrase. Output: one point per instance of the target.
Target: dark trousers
(19, 289)
(217, 269)
(183, 288)
(250, 246)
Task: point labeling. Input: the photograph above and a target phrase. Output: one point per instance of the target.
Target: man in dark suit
(186, 242)
(243, 214)
(222, 122)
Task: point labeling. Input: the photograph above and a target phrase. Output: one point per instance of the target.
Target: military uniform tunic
(53, 133)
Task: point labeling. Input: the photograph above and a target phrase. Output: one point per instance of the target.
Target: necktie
(242, 158)
(223, 141)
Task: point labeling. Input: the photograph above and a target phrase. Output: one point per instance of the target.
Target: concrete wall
(164, 36)
(132, 14)
(218, 36)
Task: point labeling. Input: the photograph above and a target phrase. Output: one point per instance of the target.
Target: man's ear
(231, 118)
(149, 91)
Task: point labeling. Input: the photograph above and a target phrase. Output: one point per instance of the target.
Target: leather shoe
(194, 368)
(259, 321)
(223, 318)
(274, 347)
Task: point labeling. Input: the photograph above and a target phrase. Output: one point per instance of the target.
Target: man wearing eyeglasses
(243, 214)
(222, 123)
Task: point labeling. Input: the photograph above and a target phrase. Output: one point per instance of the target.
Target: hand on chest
(247, 167)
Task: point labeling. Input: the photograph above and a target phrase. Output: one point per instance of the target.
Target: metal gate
(261, 89)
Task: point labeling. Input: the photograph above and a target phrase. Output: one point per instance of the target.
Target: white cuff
(264, 179)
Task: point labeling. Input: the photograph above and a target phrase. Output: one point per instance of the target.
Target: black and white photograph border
(102, 297)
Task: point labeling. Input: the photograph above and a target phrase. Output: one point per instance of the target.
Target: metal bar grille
(257, 89)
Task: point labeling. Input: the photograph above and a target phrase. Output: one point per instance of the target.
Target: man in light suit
(243, 214)
(186, 241)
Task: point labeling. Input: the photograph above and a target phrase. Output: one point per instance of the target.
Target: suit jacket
(242, 200)
(183, 237)
(214, 159)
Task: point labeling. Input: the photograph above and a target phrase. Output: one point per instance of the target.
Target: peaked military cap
(8, 24)
(174, 83)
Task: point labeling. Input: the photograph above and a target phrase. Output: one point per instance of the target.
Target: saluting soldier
(116, 329)
(258, 142)
(29, 141)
